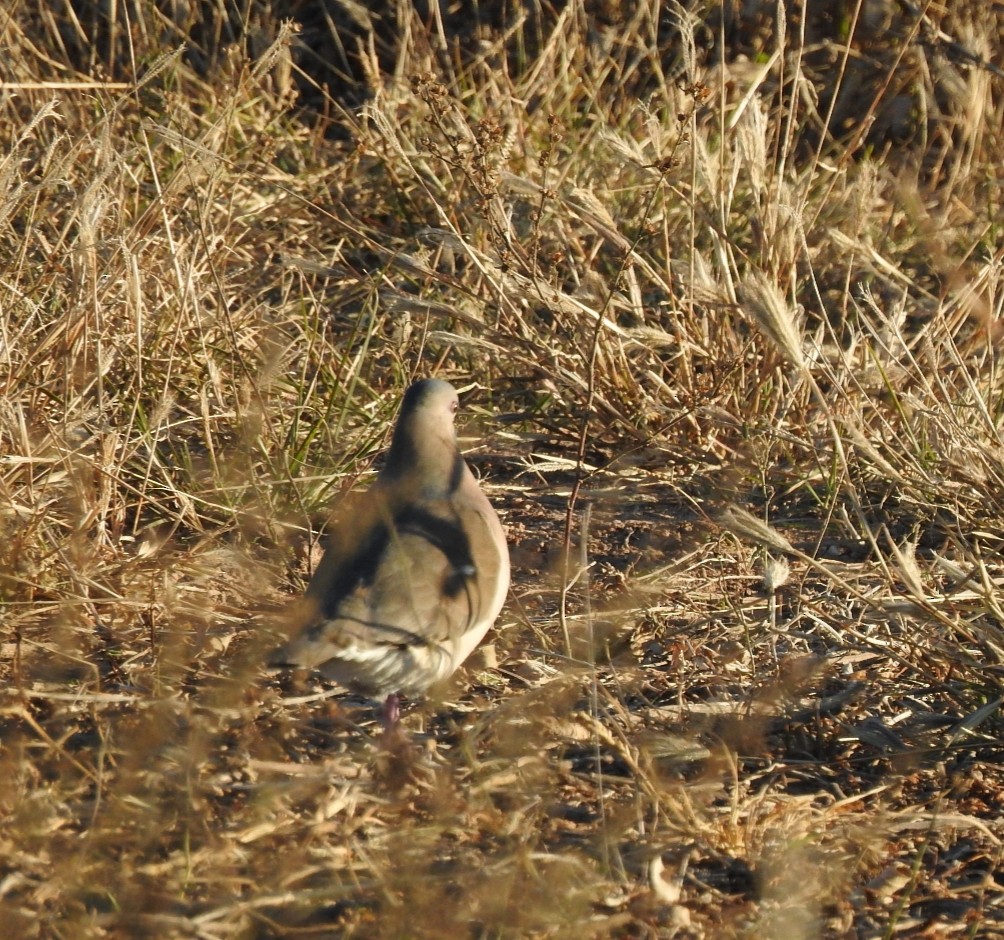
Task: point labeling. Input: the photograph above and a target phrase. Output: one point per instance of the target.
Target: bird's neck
(434, 467)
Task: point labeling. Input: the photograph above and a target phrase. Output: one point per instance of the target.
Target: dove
(415, 575)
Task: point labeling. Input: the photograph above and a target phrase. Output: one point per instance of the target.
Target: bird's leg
(392, 712)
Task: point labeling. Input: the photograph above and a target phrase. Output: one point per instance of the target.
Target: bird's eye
(454, 407)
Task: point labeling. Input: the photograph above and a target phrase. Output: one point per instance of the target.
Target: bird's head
(424, 445)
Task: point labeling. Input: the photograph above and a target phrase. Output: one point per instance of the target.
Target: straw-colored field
(725, 293)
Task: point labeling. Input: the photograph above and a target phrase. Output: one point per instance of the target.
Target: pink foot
(391, 712)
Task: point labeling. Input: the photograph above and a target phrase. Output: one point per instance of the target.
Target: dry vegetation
(726, 292)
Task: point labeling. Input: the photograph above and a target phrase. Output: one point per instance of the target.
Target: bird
(415, 574)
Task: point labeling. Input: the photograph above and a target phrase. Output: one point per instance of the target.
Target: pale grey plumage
(414, 577)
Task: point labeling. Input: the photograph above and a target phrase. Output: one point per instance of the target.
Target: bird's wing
(404, 594)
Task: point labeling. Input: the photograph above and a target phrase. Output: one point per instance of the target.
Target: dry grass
(729, 323)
